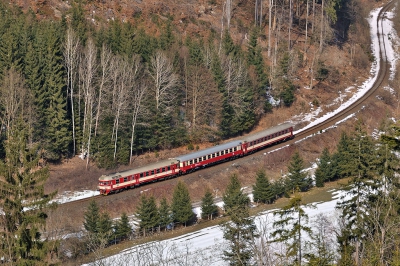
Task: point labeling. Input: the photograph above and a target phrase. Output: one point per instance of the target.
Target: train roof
(268, 131)
(211, 150)
(141, 169)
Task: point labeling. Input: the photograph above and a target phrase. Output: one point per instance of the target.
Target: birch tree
(71, 59)
(137, 94)
(12, 98)
(88, 68)
(164, 79)
(122, 85)
(107, 62)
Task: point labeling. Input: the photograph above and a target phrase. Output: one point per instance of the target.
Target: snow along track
(380, 74)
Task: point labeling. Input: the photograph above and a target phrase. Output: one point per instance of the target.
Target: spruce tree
(262, 191)
(240, 231)
(358, 200)
(147, 213)
(181, 204)
(92, 218)
(122, 227)
(164, 211)
(323, 173)
(298, 179)
(57, 136)
(292, 223)
(208, 207)
(23, 202)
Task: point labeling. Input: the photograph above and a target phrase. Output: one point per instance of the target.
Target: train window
(163, 169)
(157, 171)
(141, 174)
(209, 156)
(213, 155)
(169, 168)
(235, 149)
(200, 159)
(195, 160)
(117, 181)
(125, 179)
(222, 152)
(152, 172)
(204, 158)
(190, 162)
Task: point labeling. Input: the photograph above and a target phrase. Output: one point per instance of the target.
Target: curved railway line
(382, 75)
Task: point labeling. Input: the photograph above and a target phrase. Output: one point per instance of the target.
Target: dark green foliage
(166, 37)
(105, 227)
(122, 228)
(234, 196)
(240, 231)
(144, 44)
(147, 213)
(322, 72)
(23, 203)
(323, 173)
(92, 218)
(229, 46)
(297, 178)
(252, 46)
(181, 204)
(79, 22)
(164, 211)
(340, 157)
(57, 136)
(208, 207)
(291, 227)
(262, 191)
(287, 93)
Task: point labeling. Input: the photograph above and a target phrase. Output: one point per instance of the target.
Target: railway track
(382, 75)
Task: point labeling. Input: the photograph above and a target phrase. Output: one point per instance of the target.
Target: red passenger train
(188, 163)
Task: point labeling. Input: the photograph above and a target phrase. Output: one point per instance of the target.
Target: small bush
(190, 147)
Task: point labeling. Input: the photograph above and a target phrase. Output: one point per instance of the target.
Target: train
(188, 163)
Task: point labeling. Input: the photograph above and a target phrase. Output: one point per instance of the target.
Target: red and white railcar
(131, 178)
(220, 153)
(267, 137)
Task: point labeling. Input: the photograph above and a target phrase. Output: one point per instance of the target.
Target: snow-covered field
(205, 247)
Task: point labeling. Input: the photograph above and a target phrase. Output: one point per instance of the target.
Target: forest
(114, 91)
(110, 91)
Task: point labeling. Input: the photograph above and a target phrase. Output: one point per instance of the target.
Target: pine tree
(323, 173)
(297, 177)
(92, 218)
(164, 211)
(240, 231)
(357, 202)
(208, 207)
(181, 204)
(122, 227)
(262, 191)
(291, 226)
(339, 158)
(22, 200)
(147, 213)
(57, 136)
(104, 229)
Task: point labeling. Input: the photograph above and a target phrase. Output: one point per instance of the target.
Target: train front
(105, 185)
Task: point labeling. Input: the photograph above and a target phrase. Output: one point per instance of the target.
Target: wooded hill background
(109, 80)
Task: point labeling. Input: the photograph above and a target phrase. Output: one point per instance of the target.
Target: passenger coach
(193, 161)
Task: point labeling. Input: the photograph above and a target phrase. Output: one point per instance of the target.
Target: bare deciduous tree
(12, 98)
(71, 56)
(88, 68)
(106, 64)
(164, 79)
